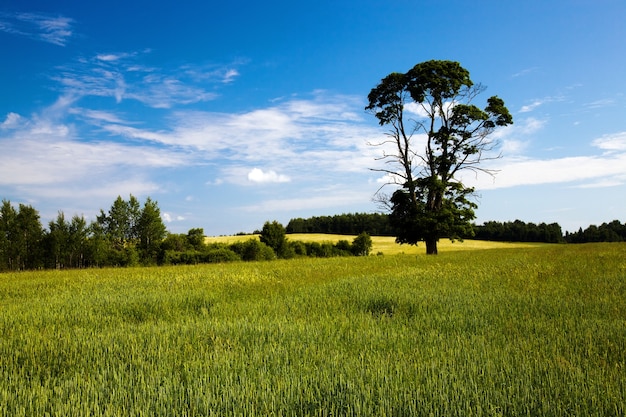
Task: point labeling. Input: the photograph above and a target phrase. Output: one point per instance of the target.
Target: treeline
(519, 231)
(374, 224)
(128, 234)
(377, 224)
(606, 232)
(131, 234)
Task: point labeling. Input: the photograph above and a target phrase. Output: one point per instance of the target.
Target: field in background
(385, 244)
(527, 331)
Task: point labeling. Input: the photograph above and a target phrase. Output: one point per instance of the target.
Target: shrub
(362, 245)
(253, 250)
(220, 255)
(298, 248)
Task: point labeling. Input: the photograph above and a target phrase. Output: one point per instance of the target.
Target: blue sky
(233, 113)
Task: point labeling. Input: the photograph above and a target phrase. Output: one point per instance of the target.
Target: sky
(230, 114)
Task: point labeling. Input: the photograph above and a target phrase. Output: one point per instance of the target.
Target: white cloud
(258, 176)
(612, 142)
(604, 183)
(110, 57)
(416, 109)
(299, 136)
(525, 71)
(52, 29)
(98, 115)
(12, 121)
(525, 171)
(598, 104)
(43, 154)
(119, 76)
(530, 107)
(169, 218)
(540, 102)
(230, 76)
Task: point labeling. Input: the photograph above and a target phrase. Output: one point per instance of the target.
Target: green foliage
(21, 237)
(519, 231)
(535, 332)
(176, 242)
(414, 222)
(298, 248)
(150, 231)
(253, 250)
(328, 249)
(362, 245)
(212, 254)
(273, 235)
(195, 237)
(375, 224)
(606, 232)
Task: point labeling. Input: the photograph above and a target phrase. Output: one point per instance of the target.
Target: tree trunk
(431, 246)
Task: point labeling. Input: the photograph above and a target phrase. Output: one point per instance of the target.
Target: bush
(321, 250)
(298, 248)
(253, 250)
(362, 245)
(220, 255)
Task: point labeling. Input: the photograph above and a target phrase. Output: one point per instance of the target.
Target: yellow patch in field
(383, 244)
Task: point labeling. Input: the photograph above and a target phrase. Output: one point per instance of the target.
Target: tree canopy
(435, 132)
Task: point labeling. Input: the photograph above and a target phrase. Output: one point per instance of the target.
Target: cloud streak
(56, 30)
(121, 76)
(585, 171)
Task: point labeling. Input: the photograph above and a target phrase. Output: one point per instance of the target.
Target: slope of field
(525, 331)
(385, 244)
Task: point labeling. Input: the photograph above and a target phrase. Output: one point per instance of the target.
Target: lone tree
(435, 132)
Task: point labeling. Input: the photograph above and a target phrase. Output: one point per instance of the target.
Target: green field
(532, 331)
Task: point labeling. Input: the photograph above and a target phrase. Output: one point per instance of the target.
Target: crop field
(511, 331)
(385, 245)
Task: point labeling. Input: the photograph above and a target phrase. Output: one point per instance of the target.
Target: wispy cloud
(12, 121)
(539, 102)
(599, 104)
(230, 75)
(322, 132)
(585, 171)
(122, 76)
(314, 139)
(530, 107)
(612, 142)
(56, 30)
(525, 71)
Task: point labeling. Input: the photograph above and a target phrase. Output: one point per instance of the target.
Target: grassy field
(385, 244)
(537, 331)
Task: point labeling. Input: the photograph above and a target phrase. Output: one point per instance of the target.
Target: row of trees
(128, 234)
(375, 224)
(606, 232)
(519, 231)
(378, 224)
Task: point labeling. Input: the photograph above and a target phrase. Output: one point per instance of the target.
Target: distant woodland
(377, 224)
(130, 233)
